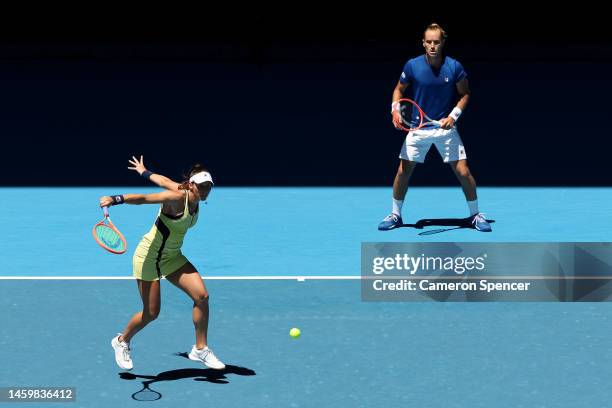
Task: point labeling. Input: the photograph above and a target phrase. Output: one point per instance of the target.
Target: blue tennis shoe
(480, 222)
(391, 221)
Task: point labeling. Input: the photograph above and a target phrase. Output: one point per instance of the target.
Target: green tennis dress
(159, 252)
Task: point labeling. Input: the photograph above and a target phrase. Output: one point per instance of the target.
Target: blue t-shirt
(433, 89)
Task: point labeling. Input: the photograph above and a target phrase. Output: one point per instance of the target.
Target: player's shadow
(198, 374)
(455, 223)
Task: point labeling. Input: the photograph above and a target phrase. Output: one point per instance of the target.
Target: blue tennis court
(255, 243)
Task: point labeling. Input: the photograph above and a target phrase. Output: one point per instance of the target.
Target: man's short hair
(434, 26)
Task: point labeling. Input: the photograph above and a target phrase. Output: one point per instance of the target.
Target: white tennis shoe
(207, 357)
(122, 353)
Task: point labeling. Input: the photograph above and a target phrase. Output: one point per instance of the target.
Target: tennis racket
(409, 110)
(108, 236)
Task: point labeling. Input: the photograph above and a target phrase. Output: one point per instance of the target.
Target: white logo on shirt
(445, 79)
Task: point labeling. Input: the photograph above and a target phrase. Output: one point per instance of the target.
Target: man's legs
(400, 187)
(468, 184)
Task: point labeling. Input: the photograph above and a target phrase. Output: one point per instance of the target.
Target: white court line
(298, 278)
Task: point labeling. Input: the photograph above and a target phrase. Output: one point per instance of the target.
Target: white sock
(473, 205)
(397, 207)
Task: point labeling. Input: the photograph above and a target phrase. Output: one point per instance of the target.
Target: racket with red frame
(108, 236)
(409, 110)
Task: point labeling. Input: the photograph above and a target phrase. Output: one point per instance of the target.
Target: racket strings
(413, 116)
(109, 237)
(411, 112)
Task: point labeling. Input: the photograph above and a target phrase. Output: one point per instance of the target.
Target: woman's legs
(189, 281)
(151, 303)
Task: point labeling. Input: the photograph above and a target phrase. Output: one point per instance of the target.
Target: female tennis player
(159, 254)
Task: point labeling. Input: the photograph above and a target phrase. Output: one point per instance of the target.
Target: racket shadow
(455, 223)
(146, 393)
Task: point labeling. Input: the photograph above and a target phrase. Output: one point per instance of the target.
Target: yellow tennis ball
(295, 332)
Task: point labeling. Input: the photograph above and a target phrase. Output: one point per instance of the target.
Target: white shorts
(447, 141)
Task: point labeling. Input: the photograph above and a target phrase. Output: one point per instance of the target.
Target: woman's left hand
(138, 165)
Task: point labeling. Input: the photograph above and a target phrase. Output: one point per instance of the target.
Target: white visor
(201, 177)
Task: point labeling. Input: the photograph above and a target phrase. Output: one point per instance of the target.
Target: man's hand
(447, 123)
(138, 165)
(396, 115)
(397, 119)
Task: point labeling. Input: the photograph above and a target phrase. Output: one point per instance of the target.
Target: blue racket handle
(105, 209)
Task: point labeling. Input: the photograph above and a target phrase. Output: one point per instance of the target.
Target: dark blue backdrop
(267, 111)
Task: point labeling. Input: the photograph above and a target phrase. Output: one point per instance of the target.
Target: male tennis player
(437, 83)
(159, 255)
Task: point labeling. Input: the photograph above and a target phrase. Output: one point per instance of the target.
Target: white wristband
(455, 113)
(394, 106)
